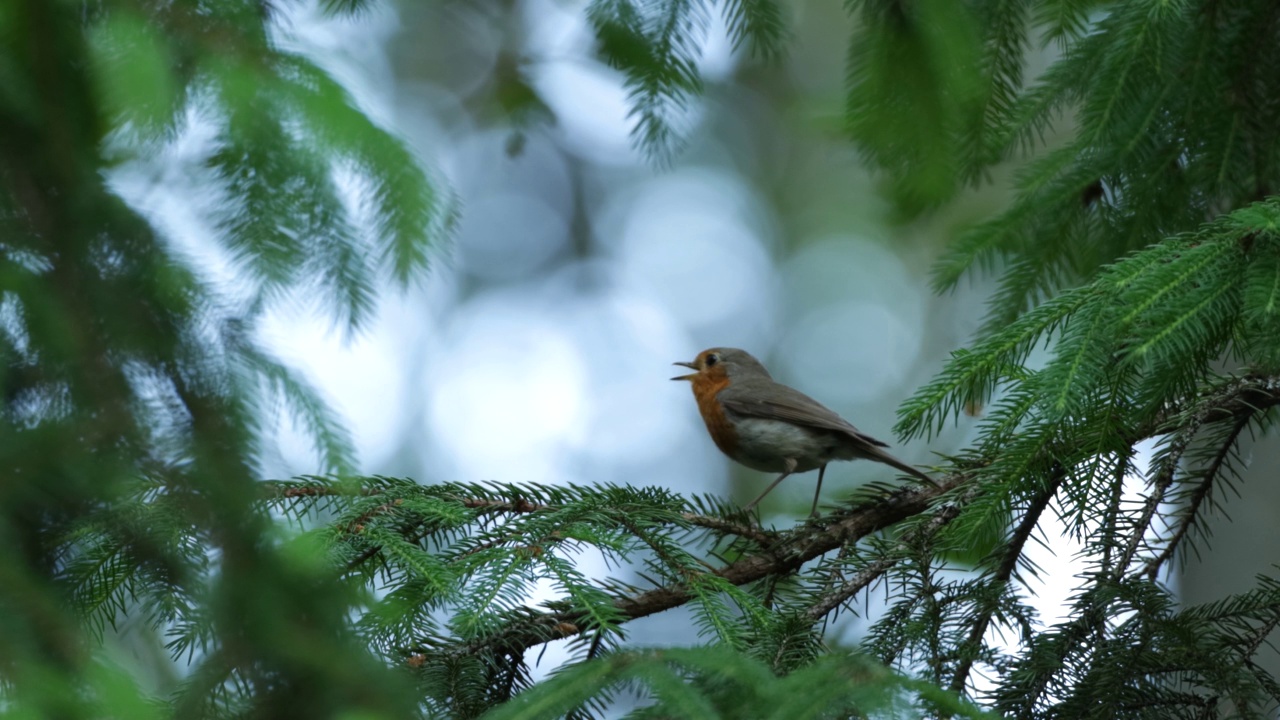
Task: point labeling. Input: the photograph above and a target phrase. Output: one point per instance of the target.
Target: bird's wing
(773, 401)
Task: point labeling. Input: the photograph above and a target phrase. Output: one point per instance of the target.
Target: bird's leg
(817, 491)
(791, 467)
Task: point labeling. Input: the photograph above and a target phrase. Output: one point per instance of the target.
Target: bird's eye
(712, 360)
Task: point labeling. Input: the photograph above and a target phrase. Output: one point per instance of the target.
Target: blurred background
(539, 348)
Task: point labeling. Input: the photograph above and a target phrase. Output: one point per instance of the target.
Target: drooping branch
(1004, 572)
(1191, 514)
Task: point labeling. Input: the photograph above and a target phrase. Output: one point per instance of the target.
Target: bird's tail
(888, 459)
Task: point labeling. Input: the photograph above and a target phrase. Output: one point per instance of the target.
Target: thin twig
(1260, 634)
(845, 592)
(1004, 572)
(869, 574)
(1160, 485)
(1239, 398)
(1191, 514)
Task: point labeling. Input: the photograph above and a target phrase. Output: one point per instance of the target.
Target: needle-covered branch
(517, 512)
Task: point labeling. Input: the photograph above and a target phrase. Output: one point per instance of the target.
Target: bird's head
(717, 363)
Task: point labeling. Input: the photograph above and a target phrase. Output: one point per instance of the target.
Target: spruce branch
(710, 522)
(1004, 573)
(786, 555)
(1191, 514)
(1234, 398)
(876, 569)
(499, 539)
(518, 505)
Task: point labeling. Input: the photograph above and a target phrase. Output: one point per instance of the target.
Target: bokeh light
(590, 105)
(485, 235)
(688, 241)
(507, 392)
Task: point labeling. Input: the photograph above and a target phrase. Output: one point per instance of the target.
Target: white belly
(766, 445)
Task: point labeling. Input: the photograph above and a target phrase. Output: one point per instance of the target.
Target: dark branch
(869, 574)
(787, 554)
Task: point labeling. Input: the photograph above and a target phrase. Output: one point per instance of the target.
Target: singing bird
(770, 427)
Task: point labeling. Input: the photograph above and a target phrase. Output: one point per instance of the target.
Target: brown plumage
(770, 427)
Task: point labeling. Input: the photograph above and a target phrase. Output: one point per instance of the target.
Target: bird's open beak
(689, 365)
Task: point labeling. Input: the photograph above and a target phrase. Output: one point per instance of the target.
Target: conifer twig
(869, 574)
(1191, 513)
(1240, 398)
(1004, 572)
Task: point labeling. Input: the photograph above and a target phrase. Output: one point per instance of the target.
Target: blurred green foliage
(133, 391)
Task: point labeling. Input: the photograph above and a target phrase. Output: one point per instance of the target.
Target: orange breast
(706, 385)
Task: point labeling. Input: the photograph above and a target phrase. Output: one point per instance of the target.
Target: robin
(770, 427)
